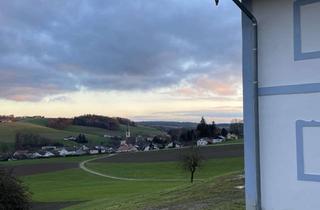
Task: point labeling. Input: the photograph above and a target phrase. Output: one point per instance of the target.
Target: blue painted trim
(290, 89)
(300, 124)
(298, 54)
(251, 143)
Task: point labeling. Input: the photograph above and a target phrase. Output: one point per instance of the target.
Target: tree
(81, 139)
(236, 127)
(59, 123)
(213, 130)
(13, 194)
(191, 161)
(224, 132)
(188, 136)
(203, 128)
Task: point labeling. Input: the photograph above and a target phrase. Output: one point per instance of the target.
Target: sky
(172, 60)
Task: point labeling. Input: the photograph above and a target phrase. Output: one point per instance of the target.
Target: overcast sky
(143, 59)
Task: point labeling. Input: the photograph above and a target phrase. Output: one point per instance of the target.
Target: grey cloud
(58, 46)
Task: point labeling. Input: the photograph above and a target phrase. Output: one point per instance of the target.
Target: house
(66, 152)
(93, 151)
(151, 147)
(79, 152)
(7, 119)
(127, 148)
(70, 138)
(216, 140)
(46, 154)
(171, 145)
(21, 154)
(101, 149)
(35, 155)
(84, 148)
(49, 148)
(281, 59)
(232, 136)
(202, 142)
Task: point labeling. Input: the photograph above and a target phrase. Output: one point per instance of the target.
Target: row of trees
(97, 121)
(30, 141)
(59, 123)
(91, 121)
(206, 130)
(104, 122)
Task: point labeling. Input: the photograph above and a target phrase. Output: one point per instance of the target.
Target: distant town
(39, 137)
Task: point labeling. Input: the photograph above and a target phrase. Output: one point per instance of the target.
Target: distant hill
(167, 125)
(95, 136)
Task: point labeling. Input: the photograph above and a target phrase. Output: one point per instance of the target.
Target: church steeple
(128, 135)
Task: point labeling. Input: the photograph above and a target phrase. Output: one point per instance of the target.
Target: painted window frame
(298, 54)
(302, 176)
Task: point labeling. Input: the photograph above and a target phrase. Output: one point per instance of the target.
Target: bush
(13, 194)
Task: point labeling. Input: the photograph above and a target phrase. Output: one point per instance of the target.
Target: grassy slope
(77, 185)
(139, 130)
(218, 193)
(167, 170)
(38, 126)
(9, 130)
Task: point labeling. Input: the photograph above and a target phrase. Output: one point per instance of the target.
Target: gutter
(251, 111)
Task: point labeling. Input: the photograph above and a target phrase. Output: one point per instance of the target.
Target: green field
(218, 193)
(95, 192)
(167, 170)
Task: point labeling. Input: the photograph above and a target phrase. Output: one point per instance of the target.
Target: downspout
(253, 109)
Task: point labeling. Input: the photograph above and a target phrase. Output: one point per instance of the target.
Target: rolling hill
(38, 126)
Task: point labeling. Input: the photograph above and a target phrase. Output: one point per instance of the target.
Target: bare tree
(191, 160)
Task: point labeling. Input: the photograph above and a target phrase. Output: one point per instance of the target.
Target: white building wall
(282, 105)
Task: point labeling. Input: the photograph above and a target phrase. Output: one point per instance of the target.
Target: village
(127, 144)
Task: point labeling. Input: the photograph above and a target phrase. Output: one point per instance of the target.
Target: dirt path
(82, 165)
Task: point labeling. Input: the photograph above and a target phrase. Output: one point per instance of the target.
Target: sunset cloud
(130, 58)
(112, 45)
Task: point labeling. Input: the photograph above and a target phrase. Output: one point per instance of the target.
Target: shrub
(13, 194)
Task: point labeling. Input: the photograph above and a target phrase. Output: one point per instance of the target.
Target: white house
(47, 154)
(70, 138)
(281, 62)
(93, 151)
(202, 142)
(35, 155)
(65, 152)
(232, 136)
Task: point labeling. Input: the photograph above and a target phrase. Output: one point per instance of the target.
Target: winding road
(82, 165)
